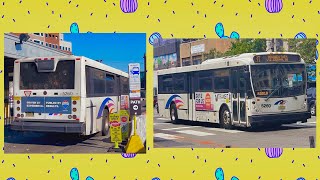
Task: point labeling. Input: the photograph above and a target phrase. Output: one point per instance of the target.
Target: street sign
(134, 80)
(115, 127)
(135, 106)
(124, 117)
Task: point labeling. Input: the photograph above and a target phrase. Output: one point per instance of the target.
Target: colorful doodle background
(166, 19)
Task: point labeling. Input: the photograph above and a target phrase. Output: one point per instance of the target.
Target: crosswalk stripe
(166, 136)
(169, 129)
(224, 130)
(196, 133)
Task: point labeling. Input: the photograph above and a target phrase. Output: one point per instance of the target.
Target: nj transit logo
(281, 104)
(176, 99)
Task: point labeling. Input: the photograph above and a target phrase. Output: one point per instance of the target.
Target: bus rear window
(62, 78)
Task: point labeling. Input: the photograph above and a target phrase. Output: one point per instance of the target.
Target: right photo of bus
(246, 93)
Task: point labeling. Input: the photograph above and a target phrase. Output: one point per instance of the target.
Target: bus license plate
(29, 114)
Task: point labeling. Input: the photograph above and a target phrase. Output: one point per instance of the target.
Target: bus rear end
(47, 95)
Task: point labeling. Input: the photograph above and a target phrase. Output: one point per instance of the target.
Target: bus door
(239, 96)
(191, 98)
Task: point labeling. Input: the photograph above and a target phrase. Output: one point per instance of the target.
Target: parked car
(311, 98)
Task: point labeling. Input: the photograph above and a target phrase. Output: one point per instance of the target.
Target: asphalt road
(189, 134)
(35, 142)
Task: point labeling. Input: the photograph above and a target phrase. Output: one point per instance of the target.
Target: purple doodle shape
(128, 6)
(273, 6)
(273, 152)
(128, 155)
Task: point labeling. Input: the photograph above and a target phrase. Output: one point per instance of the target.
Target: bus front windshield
(62, 78)
(278, 80)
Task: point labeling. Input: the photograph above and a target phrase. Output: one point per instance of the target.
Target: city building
(166, 53)
(274, 45)
(193, 51)
(51, 40)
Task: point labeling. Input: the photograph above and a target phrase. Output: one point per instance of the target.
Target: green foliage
(213, 53)
(247, 46)
(305, 47)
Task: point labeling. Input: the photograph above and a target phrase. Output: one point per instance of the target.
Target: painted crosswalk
(167, 136)
(196, 133)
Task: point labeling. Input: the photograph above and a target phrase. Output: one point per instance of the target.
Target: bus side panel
(182, 106)
(162, 100)
(204, 107)
(219, 100)
(90, 116)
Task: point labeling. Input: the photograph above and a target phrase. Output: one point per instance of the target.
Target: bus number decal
(266, 105)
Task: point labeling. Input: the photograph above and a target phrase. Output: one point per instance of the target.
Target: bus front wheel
(173, 114)
(105, 124)
(225, 118)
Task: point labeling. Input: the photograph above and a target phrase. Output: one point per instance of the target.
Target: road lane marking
(163, 119)
(224, 130)
(196, 133)
(160, 123)
(177, 128)
(167, 136)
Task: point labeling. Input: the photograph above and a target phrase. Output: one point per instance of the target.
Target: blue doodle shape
(128, 6)
(219, 29)
(317, 42)
(11, 178)
(74, 28)
(74, 174)
(317, 54)
(155, 178)
(234, 178)
(155, 37)
(234, 35)
(300, 35)
(219, 174)
(301, 178)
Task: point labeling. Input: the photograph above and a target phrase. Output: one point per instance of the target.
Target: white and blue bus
(246, 90)
(68, 94)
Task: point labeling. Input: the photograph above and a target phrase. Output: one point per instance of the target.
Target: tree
(247, 46)
(213, 53)
(305, 47)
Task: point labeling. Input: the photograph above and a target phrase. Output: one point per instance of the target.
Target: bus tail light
(70, 117)
(22, 115)
(253, 102)
(74, 102)
(44, 92)
(74, 109)
(77, 59)
(74, 116)
(18, 115)
(18, 102)
(18, 108)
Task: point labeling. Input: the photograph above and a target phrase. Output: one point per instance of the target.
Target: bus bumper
(279, 118)
(48, 127)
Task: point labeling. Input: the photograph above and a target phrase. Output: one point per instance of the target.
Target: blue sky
(115, 49)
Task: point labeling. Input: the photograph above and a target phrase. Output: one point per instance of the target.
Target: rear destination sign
(60, 105)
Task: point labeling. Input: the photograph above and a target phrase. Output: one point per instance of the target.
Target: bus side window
(124, 85)
(204, 81)
(221, 80)
(110, 84)
(165, 84)
(179, 82)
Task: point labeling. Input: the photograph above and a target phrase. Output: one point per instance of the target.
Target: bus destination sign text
(275, 58)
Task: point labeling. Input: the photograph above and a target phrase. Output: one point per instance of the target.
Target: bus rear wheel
(225, 118)
(105, 124)
(173, 114)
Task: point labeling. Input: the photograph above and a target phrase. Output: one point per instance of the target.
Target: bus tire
(105, 124)
(225, 118)
(173, 113)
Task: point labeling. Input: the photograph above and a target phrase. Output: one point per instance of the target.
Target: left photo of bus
(74, 93)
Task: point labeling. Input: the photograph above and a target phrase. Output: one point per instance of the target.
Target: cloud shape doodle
(220, 175)
(219, 29)
(74, 175)
(11, 178)
(74, 28)
(128, 155)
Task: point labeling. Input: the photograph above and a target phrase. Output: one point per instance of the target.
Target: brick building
(51, 40)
